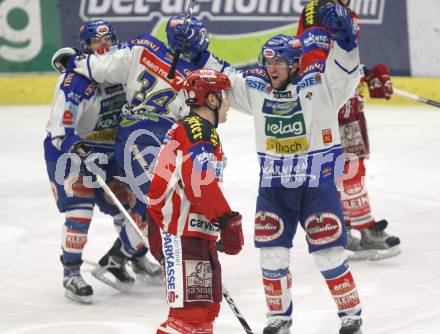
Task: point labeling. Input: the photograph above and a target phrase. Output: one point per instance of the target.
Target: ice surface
(399, 295)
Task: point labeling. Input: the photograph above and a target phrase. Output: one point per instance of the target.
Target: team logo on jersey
(258, 84)
(310, 81)
(282, 108)
(172, 250)
(90, 89)
(68, 117)
(327, 137)
(193, 126)
(283, 95)
(199, 223)
(315, 67)
(113, 89)
(284, 127)
(323, 41)
(68, 79)
(287, 146)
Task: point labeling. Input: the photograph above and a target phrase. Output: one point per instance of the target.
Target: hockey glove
(231, 235)
(190, 40)
(339, 22)
(379, 82)
(91, 163)
(64, 59)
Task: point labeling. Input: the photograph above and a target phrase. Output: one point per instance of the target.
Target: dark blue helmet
(98, 29)
(281, 47)
(193, 22)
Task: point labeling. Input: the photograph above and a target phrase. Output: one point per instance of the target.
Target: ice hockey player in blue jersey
(296, 130)
(83, 123)
(154, 102)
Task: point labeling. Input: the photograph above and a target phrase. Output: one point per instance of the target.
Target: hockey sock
(355, 200)
(343, 289)
(74, 234)
(277, 281)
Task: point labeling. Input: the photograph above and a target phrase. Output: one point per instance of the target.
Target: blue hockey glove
(339, 22)
(192, 41)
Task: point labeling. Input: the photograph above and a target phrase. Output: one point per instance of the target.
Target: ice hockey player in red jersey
(374, 243)
(188, 209)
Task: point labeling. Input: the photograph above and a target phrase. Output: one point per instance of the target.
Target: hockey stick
(176, 57)
(140, 159)
(416, 97)
(109, 192)
(121, 208)
(236, 311)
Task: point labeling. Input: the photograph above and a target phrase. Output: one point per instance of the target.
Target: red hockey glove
(379, 82)
(231, 235)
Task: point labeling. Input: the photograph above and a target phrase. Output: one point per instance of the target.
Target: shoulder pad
(148, 42)
(257, 72)
(316, 67)
(77, 87)
(257, 78)
(309, 80)
(199, 130)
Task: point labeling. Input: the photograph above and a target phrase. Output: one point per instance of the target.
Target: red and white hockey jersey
(185, 196)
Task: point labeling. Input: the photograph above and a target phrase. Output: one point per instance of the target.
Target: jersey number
(158, 100)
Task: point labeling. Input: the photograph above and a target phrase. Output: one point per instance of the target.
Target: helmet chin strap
(216, 112)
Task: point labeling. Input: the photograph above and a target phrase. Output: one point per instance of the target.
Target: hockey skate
(76, 288)
(112, 270)
(351, 326)
(354, 248)
(145, 269)
(376, 238)
(278, 326)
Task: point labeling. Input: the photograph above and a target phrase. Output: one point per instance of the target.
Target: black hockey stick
(416, 97)
(236, 311)
(177, 53)
(121, 208)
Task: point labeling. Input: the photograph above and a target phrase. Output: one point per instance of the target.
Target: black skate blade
(80, 299)
(101, 274)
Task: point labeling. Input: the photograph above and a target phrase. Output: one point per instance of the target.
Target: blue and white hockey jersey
(296, 129)
(143, 66)
(85, 111)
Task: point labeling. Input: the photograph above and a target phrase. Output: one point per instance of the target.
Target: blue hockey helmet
(281, 47)
(193, 22)
(95, 29)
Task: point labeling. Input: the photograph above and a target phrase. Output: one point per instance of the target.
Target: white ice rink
(399, 295)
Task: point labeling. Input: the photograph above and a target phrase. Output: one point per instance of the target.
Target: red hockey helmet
(201, 82)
